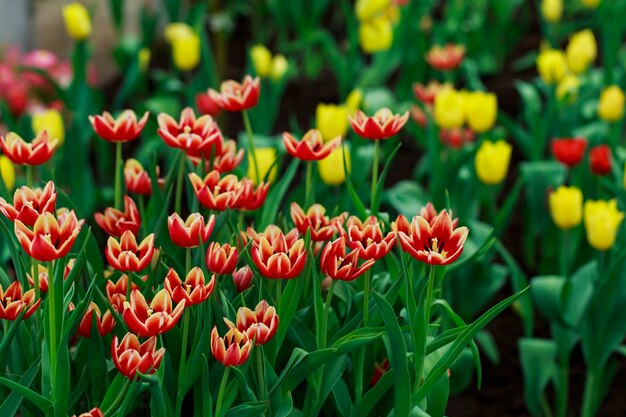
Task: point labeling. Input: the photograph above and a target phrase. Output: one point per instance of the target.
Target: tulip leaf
(287, 311)
(114, 391)
(381, 180)
(12, 402)
(373, 396)
(276, 194)
(546, 291)
(397, 357)
(537, 357)
(577, 292)
(358, 204)
(407, 196)
(249, 409)
(18, 262)
(342, 399)
(40, 402)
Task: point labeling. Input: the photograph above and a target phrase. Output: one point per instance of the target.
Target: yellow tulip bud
(602, 221)
(624, 177)
(376, 35)
(611, 104)
(481, 110)
(552, 10)
(50, 120)
(7, 170)
(568, 88)
(369, 9)
(354, 100)
(280, 66)
(186, 52)
(591, 4)
(581, 51)
(265, 157)
(331, 168)
(566, 207)
(492, 161)
(261, 60)
(331, 120)
(77, 21)
(393, 14)
(551, 65)
(144, 59)
(449, 111)
(177, 30)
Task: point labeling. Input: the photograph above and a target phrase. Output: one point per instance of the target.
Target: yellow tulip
(449, 111)
(624, 177)
(602, 221)
(177, 30)
(261, 60)
(492, 161)
(50, 120)
(280, 66)
(77, 21)
(331, 120)
(581, 51)
(591, 4)
(568, 88)
(551, 65)
(143, 56)
(265, 157)
(611, 104)
(7, 170)
(552, 10)
(376, 35)
(566, 207)
(331, 168)
(481, 110)
(369, 9)
(186, 52)
(354, 100)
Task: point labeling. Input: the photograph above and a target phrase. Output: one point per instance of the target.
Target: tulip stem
(129, 285)
(251, 149)
(187, 260)
(29, 176)
(366, 297)
(180, 184)
(324, 328)
(589, 396)
(421, 344)
(309, 196)
(118, 175)
(36, 279)
(260, 365)
(121, 396)
(52, 318)
(375, 176)
(183, 359)
(220, 395)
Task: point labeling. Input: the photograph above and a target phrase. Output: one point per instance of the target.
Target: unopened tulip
(611, 104)
(265, 157)
(602, 221)
(566, 207)
(261, 60)
(104, 322)
(567, 88)
(130, 356)
(376, 35)
(591, 4)
(7, 171)
(280, 66)
(186, 52)
(77, 21)
(221, 259)
(481, 110)
(331, 168)
(581, 51)
(353, 101)
(368, 9)
(492, 161)
(231, 350)
(51, 121)
(600, 160)
(551, 65)
(569, 151)
(449, 110)
(336, 263)
(242, 278)
(552, 10)
(331, 120)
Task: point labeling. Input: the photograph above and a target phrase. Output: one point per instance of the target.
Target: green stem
(118, 400)
(251, 149)
(53, 342)
(29, 176)
(220, 395)
(564, 253)
(309, 196)
(421, 346)
(129, 285)
(187, 260)
(366, 297)
(180, 184)
(36, 279)
(183, 360)
(324, 330)
(118, 175)
(545, 407)
(589, 396)
(260, 367)
(563, 394)
(374, 175)
(279, 292)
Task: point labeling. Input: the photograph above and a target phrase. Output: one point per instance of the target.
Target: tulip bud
(242, 278)
(280, 66)
(567, 89)
(331, 120)
(177, 30)
(369, 9)
(353, 101)
(481, 110)
(186, 51)
(7, 171)
(581, 51)
(51, 121)
(591, 4)
(611, 104)
(566, 207)
(376, 35)
(77, 21)
(602, 221)
(552, 10)
(261, 60)
(265, 157)
(331, 168)
(492, 161)
(144, 59)
(551, 65)
(600, 160)
(449, 110)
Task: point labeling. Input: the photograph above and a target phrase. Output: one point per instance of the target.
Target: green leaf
(546, 291)
(14, 399)
(354, 196)
(276, 195)
(407, 196)
(250, 409)
(537, 357)
(381, 180)
(40, 402)
(373, 396)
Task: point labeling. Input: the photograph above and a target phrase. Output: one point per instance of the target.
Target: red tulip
(29, 204)
(569, 151)
(154, 319)
(12, 302)
(600, 157)
(421, 117)
(445, 58)
(230, 158)
(277, 257)
(253, 196)
(192, 135)
(311, 147)
(430, 213)
(43, 275)
(260, 325)
(37, 152)
(206, 105)
(104, 322)
(231, 350)
(51, 238)
(242, 278)
(191, 232)
(114, 222)
(336, 263)
(235, 97)
(193, 290)
(116, 292)
(427, 93)
(379, 371)
(138, 180)
(322, 227)
(221, 259)
(94, 412)
(382, 125)
(217, 193)
(367, 238)
(124, 128)
(456, 138)
(126, 255)
(130, 357)
(436, 244)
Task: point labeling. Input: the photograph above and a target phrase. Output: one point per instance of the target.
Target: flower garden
(370, 208)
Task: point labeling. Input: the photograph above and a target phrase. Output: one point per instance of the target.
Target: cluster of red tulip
(571, 152)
